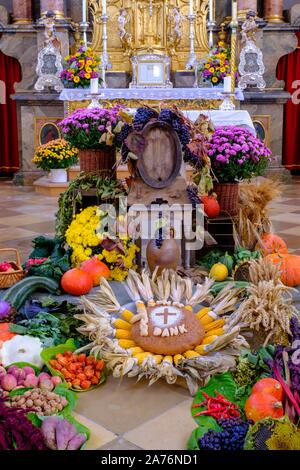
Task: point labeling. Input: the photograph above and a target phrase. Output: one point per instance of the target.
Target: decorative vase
(228, 197)
(98, 161)
(166, 257)
(58, 176)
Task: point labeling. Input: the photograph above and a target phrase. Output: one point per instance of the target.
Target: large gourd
(289, 266)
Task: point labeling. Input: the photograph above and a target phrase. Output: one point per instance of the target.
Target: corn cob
(201, 350)
(178, 358)
(215, 332)
(127, 315)
(126, 343)
(203, 312)
(123, 334)
(209, 339)
(142, 356)
(158, 359)
(168, 359)
(191, 354)
(209, 318)
(189, 307)
(122, 325)
(136, 350)
(214, 325)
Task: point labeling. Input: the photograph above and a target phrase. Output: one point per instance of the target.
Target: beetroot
(43, 376)
(13, 370)
(8, 382)
(56, 380)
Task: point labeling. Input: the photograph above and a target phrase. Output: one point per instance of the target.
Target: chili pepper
(218, 407)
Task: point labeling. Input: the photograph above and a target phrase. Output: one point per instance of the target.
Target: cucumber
(19, 293)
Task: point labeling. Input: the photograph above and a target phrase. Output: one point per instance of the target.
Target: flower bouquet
(87, 238)
(95, 132)
(80, 68)
(236, 155)
(56, 156)
(217, 65)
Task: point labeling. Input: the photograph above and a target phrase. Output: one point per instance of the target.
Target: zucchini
(218, 286)
(19, 293)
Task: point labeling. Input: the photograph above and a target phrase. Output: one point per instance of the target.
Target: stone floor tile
(168, 431)
(99, 435)
(121, 406)
(120, 444)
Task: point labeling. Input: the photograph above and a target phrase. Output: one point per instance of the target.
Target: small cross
(166, 315)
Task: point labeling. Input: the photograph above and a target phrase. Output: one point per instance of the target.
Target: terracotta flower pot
(98, 161)
(228, 197)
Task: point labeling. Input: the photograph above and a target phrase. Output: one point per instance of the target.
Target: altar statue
(50, 30)
(249, 28)
(125, 36)
(175, 20)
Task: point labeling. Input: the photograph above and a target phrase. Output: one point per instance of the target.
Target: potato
(38, 402)
(27, 394)
(34, 396)
(29, 403)
(21, 401)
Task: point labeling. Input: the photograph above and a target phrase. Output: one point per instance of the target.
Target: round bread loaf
(167, 318)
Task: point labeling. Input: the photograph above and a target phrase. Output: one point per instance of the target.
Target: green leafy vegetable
(53, 328)
(58, 261)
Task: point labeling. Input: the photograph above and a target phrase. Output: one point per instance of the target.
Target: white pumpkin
(22, 349)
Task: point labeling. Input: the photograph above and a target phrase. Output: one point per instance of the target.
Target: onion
(5, 309)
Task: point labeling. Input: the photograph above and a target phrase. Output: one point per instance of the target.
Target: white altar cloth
(80, 94)
(225, 118)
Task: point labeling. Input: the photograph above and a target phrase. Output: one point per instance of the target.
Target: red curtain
(10, 73)
(288, 69)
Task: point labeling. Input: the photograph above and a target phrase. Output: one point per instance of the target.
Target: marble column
(22, 11)
(58, 6)
(244, 6)
(273, 10)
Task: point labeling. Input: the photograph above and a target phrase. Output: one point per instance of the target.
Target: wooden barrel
(160, 163)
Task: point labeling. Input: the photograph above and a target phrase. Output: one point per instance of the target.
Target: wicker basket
(98, 161)
(9, 279)
(228, 197)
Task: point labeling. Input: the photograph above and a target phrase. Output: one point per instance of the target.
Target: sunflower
(214, 80)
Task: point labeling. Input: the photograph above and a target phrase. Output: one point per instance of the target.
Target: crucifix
(166, 314)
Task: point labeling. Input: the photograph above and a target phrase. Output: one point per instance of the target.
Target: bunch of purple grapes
(120, 140)
(232, 437)
(142, 117)
(193, 196)
(176, 122)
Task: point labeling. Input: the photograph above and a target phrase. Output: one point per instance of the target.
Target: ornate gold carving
(148, 29)
(184, 105)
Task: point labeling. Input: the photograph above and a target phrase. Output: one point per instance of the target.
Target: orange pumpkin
(96, 269)
(211, 206)
(262, 405)
(269, 386)
(5, 334)
(270, 244)
(76, 282)
(289, 266)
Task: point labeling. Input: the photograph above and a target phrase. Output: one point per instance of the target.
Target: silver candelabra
(105, 62)
(192, 61)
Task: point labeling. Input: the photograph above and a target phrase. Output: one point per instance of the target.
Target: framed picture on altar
(262, 125)
(150, 70)
(46, 129)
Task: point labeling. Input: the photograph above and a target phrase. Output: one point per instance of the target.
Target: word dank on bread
(171, 330)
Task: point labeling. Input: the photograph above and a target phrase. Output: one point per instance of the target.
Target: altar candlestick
(191, 9)
(211, 10)
(104, 10)
(234, 11)
(84, 11)
(94, 86)
(227, 84)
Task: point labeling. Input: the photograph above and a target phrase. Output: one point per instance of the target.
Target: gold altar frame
(39, 125)
(264, 120)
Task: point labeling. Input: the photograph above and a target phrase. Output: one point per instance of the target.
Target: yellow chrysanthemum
(214, 80)
(88, 76)
(212, 69)
(76, 79)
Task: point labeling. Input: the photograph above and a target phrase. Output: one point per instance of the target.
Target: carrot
(72, 367)
(53, 363)
(5, 334)
(85, 384)
(98, 374)
(59, 355)
(68, 354)
(81, 377)
(81, 357)
(89, 374)
(94, 380)
(63, 361)
(99, 364)
(90, 360)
